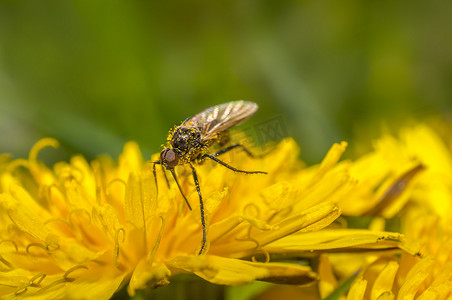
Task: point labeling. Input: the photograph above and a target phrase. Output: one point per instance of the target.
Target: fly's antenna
(180, 189)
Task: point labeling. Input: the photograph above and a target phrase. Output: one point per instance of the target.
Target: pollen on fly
(189, 143)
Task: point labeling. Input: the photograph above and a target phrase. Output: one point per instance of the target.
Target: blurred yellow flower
(83, 230)
(409, 178)
(416, 167)
(409, 277)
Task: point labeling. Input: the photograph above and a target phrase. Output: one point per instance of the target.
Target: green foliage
(94, 74)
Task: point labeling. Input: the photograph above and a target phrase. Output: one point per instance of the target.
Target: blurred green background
(94, 74)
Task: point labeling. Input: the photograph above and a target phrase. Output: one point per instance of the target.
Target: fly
(189, 143)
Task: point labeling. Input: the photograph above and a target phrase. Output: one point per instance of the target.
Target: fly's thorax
(186, 139)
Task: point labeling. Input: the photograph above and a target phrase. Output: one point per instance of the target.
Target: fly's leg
(180, 189)
(212, 157)
(166, 177)
(201, 207)
(227, 149)
(167, 181)
(155, 175)
(246, 150)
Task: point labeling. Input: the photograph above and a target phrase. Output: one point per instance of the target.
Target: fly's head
(169, 158)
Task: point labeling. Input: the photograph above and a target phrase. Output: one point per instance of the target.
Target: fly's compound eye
(169, 158)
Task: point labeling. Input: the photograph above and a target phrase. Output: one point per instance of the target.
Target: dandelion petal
(221, 270)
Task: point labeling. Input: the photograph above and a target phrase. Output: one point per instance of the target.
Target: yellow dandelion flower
(82, 230)
(410, 178)
(415, 167)
(408, 277)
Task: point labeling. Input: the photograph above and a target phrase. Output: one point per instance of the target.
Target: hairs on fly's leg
(201, 207)
(231, 167)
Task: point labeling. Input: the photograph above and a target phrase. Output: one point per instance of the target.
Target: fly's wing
(220, 117)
